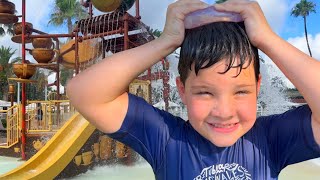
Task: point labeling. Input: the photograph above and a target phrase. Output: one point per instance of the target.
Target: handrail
(13, 127)
(44, 116)
(50, 121)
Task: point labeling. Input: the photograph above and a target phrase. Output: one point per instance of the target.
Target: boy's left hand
(256, 24)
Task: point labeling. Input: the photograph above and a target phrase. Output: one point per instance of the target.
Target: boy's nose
(223, 109)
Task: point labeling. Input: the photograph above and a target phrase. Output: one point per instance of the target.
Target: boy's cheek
(197, 109)
(247, 111)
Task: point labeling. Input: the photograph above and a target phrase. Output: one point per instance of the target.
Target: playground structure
(93, 39)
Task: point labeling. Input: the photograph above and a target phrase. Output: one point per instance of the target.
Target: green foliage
(5, 55)
(155, 32)
(36, 91)
(65, 11)
(303, 9)
(220, 1)
(6, 29)
(4, 123)
(65, 75)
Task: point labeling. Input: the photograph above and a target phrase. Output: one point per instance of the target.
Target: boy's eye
(203, 93)
(242, 92)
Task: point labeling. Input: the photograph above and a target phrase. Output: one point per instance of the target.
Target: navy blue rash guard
(176, 151)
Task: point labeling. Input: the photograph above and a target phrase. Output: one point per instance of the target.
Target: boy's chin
(223, 143)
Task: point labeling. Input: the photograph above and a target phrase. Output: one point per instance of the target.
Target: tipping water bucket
(89, 50)
(112, 5)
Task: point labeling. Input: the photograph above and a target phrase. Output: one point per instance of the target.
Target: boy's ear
(181, 89)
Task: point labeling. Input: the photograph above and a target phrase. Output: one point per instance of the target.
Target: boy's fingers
(236, 6)
(187, 6)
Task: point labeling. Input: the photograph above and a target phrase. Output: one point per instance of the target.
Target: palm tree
(36, 91)
(65, 11)
(5, 55)
(154, 32)
(9, 30)
(304, 8)
(65, 75)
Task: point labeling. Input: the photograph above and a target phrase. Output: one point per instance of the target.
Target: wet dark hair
(206, 45)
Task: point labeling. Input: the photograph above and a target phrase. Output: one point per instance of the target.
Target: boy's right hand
(174, 29)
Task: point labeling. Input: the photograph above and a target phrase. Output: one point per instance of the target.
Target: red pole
(126, 47)
(23, 100)
(138, 10)
(76, 49)
(126, 31)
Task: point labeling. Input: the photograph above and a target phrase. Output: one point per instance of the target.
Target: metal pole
(138, 10)
(58, 95)
(45, 93)
(126, 31)
(18, 93)
(23, 123)
(11, 93)
(76, 50)
(50, 35)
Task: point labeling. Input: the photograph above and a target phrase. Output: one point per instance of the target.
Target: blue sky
(153, 14)
(279, 17)
(294, 25)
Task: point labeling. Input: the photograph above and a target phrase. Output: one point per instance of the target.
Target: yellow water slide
(57, 153)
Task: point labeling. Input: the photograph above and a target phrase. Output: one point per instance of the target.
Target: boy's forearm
(105, 81)
(302, 70)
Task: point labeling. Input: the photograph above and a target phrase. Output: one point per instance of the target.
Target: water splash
(272, 99)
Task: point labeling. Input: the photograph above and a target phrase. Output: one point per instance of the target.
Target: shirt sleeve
(147, 130)
(290, 137)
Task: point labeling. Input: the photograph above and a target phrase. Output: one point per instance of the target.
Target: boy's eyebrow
(200, 86)
(244, 85)
(237, 86)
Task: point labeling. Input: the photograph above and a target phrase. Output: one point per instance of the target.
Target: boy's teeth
(223, 126)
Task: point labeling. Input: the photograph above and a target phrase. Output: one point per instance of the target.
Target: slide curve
(57, 153)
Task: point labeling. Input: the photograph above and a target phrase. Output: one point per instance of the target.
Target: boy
(219, 84)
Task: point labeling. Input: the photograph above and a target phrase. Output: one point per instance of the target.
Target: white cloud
(154, 12)
(6, 41)
(301, 43)
(52, 79)
(37, 11)
(276, 12)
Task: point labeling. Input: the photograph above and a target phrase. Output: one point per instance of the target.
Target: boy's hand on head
(256, 24)
(174, 29)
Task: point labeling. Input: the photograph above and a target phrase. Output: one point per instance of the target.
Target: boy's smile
(221, 106)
